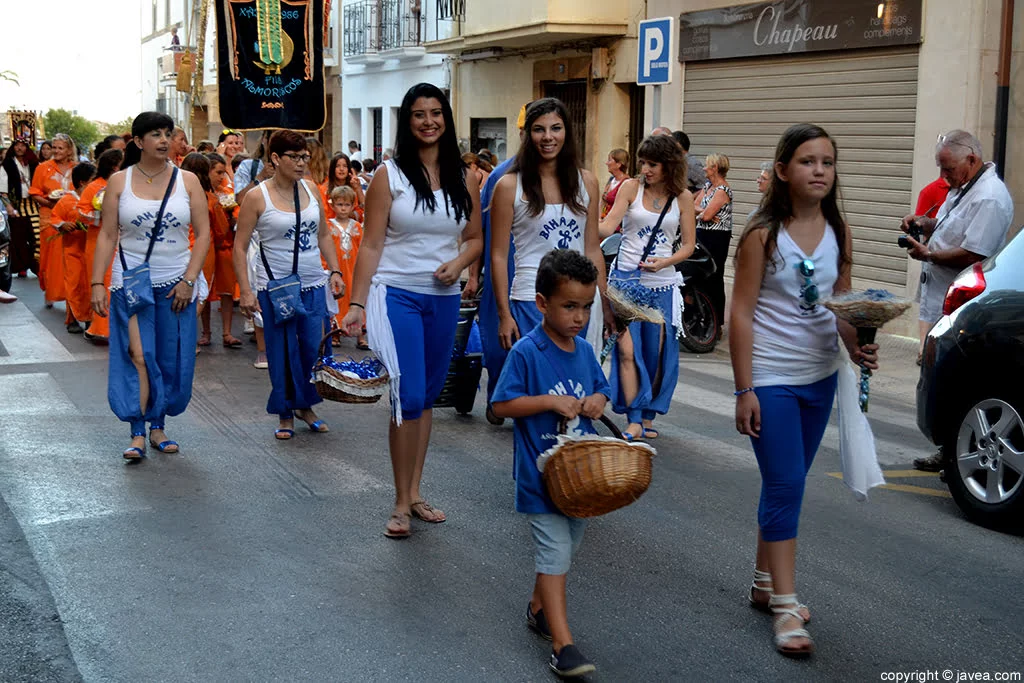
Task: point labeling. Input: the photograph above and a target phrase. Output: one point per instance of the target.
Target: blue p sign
(654, 54)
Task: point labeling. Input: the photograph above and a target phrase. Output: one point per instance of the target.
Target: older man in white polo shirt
(971, 225)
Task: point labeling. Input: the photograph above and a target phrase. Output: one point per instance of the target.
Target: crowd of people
(141, 243)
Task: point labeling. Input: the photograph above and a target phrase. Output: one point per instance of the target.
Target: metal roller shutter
(866, 100)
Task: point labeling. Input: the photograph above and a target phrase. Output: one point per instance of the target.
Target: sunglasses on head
(809, 292)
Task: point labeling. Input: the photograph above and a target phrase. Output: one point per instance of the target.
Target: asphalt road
(248, 559)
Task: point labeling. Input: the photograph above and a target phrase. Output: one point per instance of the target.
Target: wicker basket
(591, 476)
(334, 384)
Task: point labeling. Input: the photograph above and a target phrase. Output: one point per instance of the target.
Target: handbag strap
(298, 226)
(157, 224)
(654, 233)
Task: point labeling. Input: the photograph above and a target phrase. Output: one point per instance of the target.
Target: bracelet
(336, 272)
(353, 303)
(93, 284)
(743, 391)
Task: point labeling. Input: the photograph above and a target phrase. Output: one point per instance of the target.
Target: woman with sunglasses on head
(546, 201)
(655, 211)
(146, 212)
(419, 206)
(785, 354)
(50, 182)
(292, 339)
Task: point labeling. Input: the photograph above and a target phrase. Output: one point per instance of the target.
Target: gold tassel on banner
(197, 87)
(184, 83)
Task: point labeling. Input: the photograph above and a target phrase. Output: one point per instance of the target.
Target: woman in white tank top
(269, 214)
(419, 206)
(152, 353)
(645, 367)
(545, 201)
(784, 345)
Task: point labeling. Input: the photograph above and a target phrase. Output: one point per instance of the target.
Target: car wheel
(700, 328)
(985, 464)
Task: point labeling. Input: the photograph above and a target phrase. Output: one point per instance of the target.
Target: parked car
(5, 251)
(970, 397)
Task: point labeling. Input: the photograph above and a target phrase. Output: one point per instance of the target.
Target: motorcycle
(700, 325)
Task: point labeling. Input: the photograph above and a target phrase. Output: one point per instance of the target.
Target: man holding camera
(971, 225)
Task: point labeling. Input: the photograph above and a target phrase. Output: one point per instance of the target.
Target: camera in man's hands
(913, 230)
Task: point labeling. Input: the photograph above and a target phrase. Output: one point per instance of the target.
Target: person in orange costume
(51, 179)
(347, 233)
(222, 226)
(340, 173)
(198, 163)
(65, 220)
(88, 207)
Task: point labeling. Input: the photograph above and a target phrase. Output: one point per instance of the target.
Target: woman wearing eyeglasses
(795, 251)
(292, 343)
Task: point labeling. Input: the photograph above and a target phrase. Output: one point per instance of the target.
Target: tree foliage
(8, 75)
(119, 128)
(85, 133)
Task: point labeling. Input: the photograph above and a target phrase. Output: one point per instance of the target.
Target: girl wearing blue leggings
(785, 348)
(419, 206)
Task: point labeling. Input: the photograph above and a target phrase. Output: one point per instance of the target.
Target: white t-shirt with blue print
(535, 367)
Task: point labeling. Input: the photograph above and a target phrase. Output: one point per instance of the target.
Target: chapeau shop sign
(796, 26)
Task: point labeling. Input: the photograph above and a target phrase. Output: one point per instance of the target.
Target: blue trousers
(424, 330)
(793, 422)
(169, 351)
(650, 400)
(291, 353)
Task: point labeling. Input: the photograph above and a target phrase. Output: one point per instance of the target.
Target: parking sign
(654, 53)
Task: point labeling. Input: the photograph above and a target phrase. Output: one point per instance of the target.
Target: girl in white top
(152, 353)
(784, 345)
(545, 201)
(269, 215)
(645, 368)
(419, 206)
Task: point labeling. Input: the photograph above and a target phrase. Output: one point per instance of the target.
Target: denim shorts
(556, 539)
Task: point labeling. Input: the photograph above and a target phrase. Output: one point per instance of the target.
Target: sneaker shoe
(570, 663)
(261, 361)
(538, 622)
(933, 463)
(248, 327)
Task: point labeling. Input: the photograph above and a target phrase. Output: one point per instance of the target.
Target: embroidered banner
(270, 69)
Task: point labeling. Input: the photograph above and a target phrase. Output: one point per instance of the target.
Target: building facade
(884, 78)
(383, 56)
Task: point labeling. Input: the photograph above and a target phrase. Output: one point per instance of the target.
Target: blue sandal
(319, 426)
(135, 453)
(283, 434)
(167, 446)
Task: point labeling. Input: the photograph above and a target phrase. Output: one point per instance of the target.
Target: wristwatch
(190, 283)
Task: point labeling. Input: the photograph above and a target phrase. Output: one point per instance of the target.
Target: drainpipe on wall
(1003, 87)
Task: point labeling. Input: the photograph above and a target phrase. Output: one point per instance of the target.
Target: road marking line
(905, 488)
(34, 393)
(905, 474)
(27, 340)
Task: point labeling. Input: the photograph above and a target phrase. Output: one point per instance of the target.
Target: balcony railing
(451, 10)
(373, 26)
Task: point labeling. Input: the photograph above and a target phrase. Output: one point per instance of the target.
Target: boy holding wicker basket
(552, 381)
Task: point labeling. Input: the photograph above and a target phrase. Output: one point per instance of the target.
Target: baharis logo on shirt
(573, 426)
(565, 229)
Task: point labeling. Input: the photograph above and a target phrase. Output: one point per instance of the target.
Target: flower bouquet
(867, 311)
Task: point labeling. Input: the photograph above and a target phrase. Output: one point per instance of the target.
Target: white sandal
(763, 578)
(779, 609)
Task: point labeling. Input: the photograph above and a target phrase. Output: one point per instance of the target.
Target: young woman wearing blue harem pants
(406, 282)
(784, 346)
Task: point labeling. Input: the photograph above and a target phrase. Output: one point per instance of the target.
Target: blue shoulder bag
(136, 282)
(285, 294)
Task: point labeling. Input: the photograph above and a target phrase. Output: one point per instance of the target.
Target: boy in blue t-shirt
(551, 373)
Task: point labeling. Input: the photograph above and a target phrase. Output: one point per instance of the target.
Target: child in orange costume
(52, 177)
(89, 213)
(222, 226)
(64, 218)
(348, 234)
(198, 163)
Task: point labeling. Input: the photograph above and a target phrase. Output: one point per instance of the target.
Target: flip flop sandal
(165, 446)
(319, 426)
(429, 508)
(626, 436)
(650, 433)
(204, 340)
(133, 453)
(362, 346)
(283, 434)
(404, 530)
(232, 343)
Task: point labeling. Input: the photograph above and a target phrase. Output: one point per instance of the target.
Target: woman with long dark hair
(292, 342)
(108, 163)
(340, 173)
(19, 166)
(152, 345)
(655, 211)
(546, 201)
(420, 203)
(785, 354)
